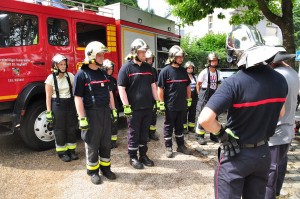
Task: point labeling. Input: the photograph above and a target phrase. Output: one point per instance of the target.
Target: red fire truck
(32, 32)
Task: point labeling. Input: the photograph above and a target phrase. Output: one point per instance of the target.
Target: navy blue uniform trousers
(138, 126)
(278, 154)
(174, 122)
(245, 174)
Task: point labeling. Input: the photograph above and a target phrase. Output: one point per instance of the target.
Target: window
(163, 46)
(18, 29)
(58, 32)
(90, 32)
(210, 23)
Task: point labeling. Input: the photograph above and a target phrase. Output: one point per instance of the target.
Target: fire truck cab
(31, 34)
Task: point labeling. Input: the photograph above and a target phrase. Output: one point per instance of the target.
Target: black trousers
(138, 126)
(189, 117)
(65, 123)
(173, 122)
(97, 138)
(245, 174)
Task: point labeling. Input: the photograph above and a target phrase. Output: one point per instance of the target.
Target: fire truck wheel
(36, 132)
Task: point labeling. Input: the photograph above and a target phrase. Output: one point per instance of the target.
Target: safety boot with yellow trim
(64, 156)
(95, 179)
(106, 172)
(73, 155)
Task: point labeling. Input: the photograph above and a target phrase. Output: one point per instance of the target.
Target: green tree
(132, 3)
(279, 12)
(197, 49)
(297, 25)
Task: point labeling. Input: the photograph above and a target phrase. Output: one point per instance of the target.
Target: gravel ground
(31, 174)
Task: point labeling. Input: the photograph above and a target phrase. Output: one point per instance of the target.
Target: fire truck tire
(35, 131)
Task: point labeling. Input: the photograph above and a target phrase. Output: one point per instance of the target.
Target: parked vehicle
(31, 34)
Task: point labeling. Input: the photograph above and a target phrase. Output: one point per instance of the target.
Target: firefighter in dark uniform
(94, 101)
(137, 89)
(61, 111)
(189, 117)
(207, 84)
(109, 68)
(152, 130)
(253, 111)
(174, 93)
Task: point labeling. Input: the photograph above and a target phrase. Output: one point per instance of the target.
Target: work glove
(161, 109)
(189, 102)
(127, 110)
(49, 116)
(83, 123)
(114, 115)
(229, 145)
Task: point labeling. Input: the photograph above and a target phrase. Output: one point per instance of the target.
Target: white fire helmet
(58, 58)
(188, 64)
(149, 54)
(174, 52)
(245, 47)
(92, 49)
(107, 64)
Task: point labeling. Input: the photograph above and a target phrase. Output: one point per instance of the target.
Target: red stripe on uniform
(132, 74)
(180, 80)
(258, 103)
(97, 82)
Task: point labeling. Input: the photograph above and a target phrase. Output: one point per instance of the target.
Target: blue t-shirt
(100, 86)
(253, 98)
(137, 80)
(174, 81)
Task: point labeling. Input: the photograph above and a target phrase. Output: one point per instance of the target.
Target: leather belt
(263, 142)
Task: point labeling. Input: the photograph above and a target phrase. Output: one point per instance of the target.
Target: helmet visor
(243, 38)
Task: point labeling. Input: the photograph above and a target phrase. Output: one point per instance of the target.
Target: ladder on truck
(74, 5)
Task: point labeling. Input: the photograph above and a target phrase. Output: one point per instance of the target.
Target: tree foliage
(250, 12)
(132, 3)
(297, 25)
(197, 49)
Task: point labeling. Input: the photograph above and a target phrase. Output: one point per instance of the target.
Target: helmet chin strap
(137, 59)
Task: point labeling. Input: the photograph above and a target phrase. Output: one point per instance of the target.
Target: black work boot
(185, 131)
(73, 155)
(184, 150)
(135, 163)
(64, 156)
(213, 138)
(114, 144)
(146, 161)
(200, 139)
(106, 171)
(169, 152)
(95, 178)
(191, 129)
(153, 136)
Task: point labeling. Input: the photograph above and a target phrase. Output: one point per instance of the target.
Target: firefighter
(61, 113)
(109, 68)
(137, 88)
(152, 130)
(279, 143)
(253, 112)
(189, 117)
(28, 33)
(94, 102)
(174, 93)
(207, 84)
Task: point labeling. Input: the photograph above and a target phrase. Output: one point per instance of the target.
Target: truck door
(59, 40)
(21, 52)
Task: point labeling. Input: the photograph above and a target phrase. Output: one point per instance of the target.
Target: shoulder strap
(208, 77)
(217, 79)
(88, 81)
(70, 85)
(57, 100)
